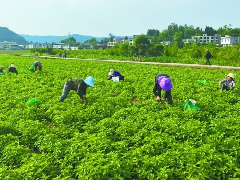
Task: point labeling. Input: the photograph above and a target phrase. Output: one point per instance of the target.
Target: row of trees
(175, 32)
(150, 45)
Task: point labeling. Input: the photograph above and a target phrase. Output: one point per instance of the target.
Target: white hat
(193, 101)
(111, 72)
(12, 65)
(231, 75)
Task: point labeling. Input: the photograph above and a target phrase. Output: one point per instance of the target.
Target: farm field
(122, 132)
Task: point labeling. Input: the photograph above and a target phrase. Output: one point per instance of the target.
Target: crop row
(122, 132)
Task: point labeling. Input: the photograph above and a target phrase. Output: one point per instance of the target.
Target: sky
(99, 18)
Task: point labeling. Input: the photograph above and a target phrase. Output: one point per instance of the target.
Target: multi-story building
(229, 41)
(38, 45)
(116, 41)
(5, 45)
(208, 39)
(120, 40)
(57, 45)
(189, 40)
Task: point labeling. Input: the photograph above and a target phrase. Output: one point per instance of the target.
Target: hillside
(8, 35)
(56, 39)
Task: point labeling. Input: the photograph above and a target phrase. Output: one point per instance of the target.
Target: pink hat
(166, 84)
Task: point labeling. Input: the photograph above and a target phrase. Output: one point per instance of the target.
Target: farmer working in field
(36, 66)
(113, 73)
(228, 83)
(163, 82)
(1, 70)
(208, 56)
(79, 85)
(12, 69)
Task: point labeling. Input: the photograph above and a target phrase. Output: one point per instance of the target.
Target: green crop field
(121, 132)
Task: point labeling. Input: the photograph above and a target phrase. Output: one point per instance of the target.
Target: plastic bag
(115, 79)
(32, 68)
(33, 101)
(203, 81)
(189, 105)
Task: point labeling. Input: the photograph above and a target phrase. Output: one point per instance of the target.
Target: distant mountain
(57, 39)
(8, 35)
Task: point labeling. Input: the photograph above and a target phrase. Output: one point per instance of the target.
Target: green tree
(142, 43)
(124, 49)
(227, 30)
(153, 34)
(105, 40)
(111, 36)
(172, 29)
(210, 31)
(156, 50)
(92, 41)
(70, 40)
(178, 36)
(164, 36)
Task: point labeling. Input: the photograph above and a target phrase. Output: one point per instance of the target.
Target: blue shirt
(229, 84)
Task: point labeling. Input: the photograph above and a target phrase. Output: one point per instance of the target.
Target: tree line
(150, 46)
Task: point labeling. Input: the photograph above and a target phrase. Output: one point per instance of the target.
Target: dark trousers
(208, 61)
(224, 87)
(121, 78)
(168, 96)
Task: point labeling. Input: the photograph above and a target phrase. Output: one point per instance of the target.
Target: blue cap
(89, 81)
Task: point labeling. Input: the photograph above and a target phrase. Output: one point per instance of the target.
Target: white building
(208, 39)
(187, 41)
(69, 47)
(5, 45)
(33, 45)
(116, 41)
(229, 41)
(166, 43)
(58, 46)
(120, 40)
(37, 45)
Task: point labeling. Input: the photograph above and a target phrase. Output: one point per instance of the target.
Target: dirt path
(152, 63)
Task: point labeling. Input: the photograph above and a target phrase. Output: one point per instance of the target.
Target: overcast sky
(119, 17)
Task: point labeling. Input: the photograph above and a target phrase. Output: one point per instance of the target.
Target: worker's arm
(157, 91)
(220, 84)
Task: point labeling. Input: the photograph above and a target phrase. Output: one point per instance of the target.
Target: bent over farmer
(12, 69)
(113, 73)
(228, 83)
(79, 85)
(163, 82)
(1, 70)
(36, 66)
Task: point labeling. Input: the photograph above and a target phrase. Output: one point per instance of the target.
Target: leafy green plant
(122, 132)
